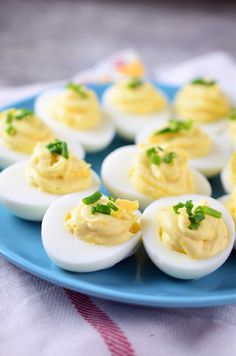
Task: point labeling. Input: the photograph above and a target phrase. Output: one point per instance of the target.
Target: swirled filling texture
(143, 100)
(27, 132)
(55, 174)
(102, 229)
(203, 103)
(161, 180)
(207, 241)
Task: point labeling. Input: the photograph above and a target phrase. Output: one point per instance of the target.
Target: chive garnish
(59, 147)
(22, 114)
(104, 209)
(19, 115)
(10, 130)
(175, 126)
(9, 118)
(134, 83)
(78, 88)
(210, 211)
(111, 198)
(199, 213)
(93, 210)
(202, 81)
(112, 206)
(92, 198)
(155, 159)
(168, 158)
(232, 115)
(153, 154)
(64, 149)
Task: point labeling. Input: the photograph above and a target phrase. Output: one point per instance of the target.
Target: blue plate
(135, 280)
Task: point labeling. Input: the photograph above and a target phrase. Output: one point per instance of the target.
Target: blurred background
(48, 40)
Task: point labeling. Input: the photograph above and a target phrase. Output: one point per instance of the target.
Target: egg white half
(128, 125)
(25, 201)
(223, 199)
(226, 179)
(68, 251)
(176, 264)
(115, 175)
(218, 127)
(92, 140)
(209, 165)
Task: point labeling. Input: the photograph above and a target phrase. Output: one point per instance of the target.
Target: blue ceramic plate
(135, 280)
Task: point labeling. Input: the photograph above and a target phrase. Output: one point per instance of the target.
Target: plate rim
(103, 292)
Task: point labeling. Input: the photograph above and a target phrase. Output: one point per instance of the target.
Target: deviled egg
(207, 151)
(205, 102)
(228, 175)
(147, 173)
(29, 187)
(132, 104)
(88, 233)
(188, 236)
(229, 201)
(20, 129)
(75, 111)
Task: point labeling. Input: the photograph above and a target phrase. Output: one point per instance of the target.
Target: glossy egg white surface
(115, 176)
(176, 264)
(218, 127)
(68, 251)
(128, 125)
(92, 140)
(226, 179)
(24, 200)
(209, 165)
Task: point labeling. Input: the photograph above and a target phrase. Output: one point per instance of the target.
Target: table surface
(52, 39)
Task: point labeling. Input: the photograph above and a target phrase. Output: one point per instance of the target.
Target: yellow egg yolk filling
(231, 204)
(208, 240)
(98, 228)
(55, 174)
(193, 140)
(20, 133)
(143, 99)
(164, 178)
(79, 112)
(202, 103)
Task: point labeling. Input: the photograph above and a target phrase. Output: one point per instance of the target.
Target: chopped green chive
(155, 159)
(78, 88)
(232, 115)
(202, 81)
(135, 83)
(93, 210)
(104, 209)
(175, 126)
(64, 148)
(151, 151)
(92, 198)
(177, 207)
(10, 130)
(111, 198)
(22, 113)
(198, 215)
(112, 206)
(59, 148)
(168, 158)
(210, 211)
(9, 118)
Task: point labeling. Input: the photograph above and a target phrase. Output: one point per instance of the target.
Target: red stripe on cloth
(114, 337)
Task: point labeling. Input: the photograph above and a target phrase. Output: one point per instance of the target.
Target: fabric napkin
(39, 318)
